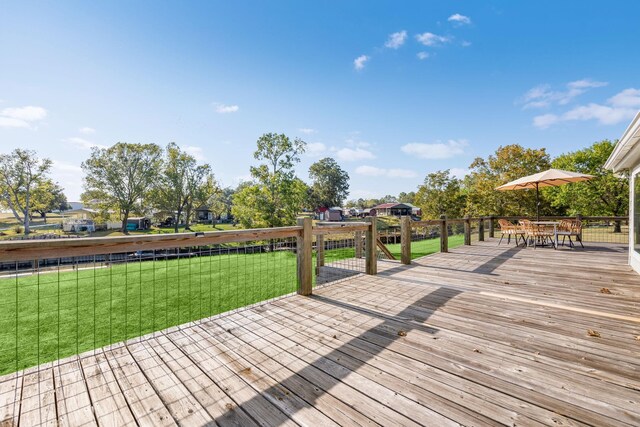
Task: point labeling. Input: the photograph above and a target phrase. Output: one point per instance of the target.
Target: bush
(17, 229)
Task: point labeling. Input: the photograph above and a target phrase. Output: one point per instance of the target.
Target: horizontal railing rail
(64, 297)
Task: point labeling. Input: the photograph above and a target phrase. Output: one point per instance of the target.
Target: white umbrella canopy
(548, 178)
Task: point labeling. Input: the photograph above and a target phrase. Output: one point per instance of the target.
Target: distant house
(330, 214)
(206, 215)
(78, 225)
(391, 209)
(82, 213)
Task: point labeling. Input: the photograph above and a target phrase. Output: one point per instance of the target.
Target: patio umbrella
(548, 178)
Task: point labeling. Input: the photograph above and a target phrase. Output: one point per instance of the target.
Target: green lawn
(55, 314)
(68, 312)
(426, 247)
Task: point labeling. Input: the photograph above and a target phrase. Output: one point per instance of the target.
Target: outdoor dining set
(541, 233)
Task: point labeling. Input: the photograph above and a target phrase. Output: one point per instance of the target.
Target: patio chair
(569, 228)
(507, 229)
(536, 234)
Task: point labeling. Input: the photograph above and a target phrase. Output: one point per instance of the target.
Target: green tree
(507, 164)
(275, 196)
(440, 194)
(409, 197)
(180, 183)
(48, 196)
(21, 172)
(605, 194)
(122, 176)
(330, 183)
(221, 202)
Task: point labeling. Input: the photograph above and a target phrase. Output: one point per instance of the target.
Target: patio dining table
(555, 230)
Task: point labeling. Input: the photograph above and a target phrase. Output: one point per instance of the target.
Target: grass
(426, 247)
(51, 315)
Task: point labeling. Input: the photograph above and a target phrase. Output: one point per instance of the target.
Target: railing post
(444, 234)
(405, 239)
(579, 218)
(304, 246)
(491, 230)
(358, 243)
(319, 253)
(481, 229)
(467, 230)
(371, 262)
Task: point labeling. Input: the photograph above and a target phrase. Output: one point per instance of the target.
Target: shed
(626, 158)
(138, 224)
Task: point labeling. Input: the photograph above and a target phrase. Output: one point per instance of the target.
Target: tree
(21, 172)
(122, 176)
(507, 164)
(221, 202)
(409, 197)
(48, 196)
(330, 183)
(605, 194)
(275, 196)
(441, 194)
(181, 182)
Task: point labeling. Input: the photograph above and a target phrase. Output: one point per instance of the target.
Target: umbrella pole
(537, 203)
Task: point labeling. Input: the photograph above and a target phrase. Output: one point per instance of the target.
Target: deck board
(483, 335)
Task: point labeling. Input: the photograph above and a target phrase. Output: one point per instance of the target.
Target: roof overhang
(626, 153)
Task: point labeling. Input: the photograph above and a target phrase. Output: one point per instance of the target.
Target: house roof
(626, 153)
(392, 205)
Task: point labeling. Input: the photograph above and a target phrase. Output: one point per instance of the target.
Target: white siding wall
(634, 257)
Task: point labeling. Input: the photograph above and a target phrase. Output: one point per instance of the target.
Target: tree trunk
(617, 226)
(177, 221)
(125, 218)
(26, 214)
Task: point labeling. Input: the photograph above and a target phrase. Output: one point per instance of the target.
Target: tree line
(129, 178)
(474, 194)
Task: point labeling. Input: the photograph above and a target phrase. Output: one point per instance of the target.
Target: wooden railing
(488, 222)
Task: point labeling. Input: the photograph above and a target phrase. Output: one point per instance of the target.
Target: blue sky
(392, 90)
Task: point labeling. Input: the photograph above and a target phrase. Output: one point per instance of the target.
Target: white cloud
(422, 55)
(307, 131)
(196, 152)
(366, 170)
(465, 43)
(28, 114)
(458, 19)
(353, 154)
(430, 39)
(542, 96)
(83, 144)
(438, 150)
(621, 107)
(360, 61)
(87, 130)
(545, 120)
(315, 149)
(396, 40)
(224, 109)
(627, 98)
(8, 122)
(21, 117)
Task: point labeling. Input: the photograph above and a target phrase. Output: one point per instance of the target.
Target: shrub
(17, 229)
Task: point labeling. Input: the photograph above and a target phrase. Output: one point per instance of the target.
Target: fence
(595, 229)
(64, 297)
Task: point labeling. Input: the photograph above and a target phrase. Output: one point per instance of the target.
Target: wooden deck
(483, 335)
